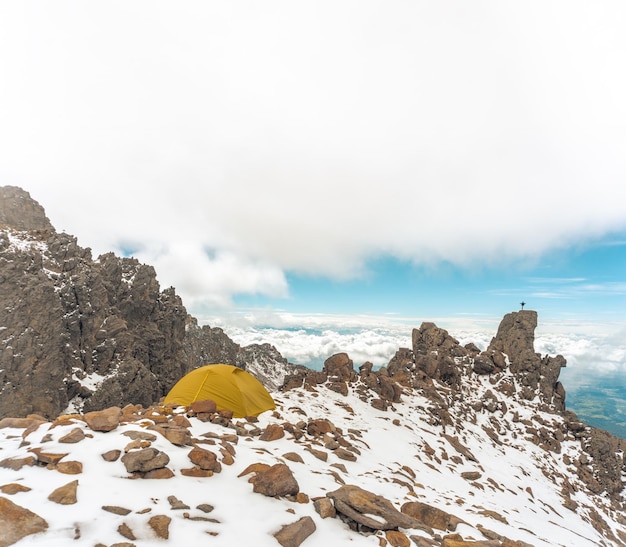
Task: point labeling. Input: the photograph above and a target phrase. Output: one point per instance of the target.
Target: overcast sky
(408, 158)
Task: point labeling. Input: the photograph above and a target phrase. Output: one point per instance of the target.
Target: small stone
(126, 531)
(205, 507)
(292, 535)
(293, 457)
(324, 508)
(344, 454)
(273, 432)
(116, 510)
(74, 436)
(161, 473)
(196, 472)
(70, 468)
(14, 488)
(176, 504)
(104, 420)
(144, 460)
(471, 475)
(278, 480)
(160, 524)
(111, 455)
(66, 494)
(204, 459)
(17, 463)
(46, 457)
(397, 539)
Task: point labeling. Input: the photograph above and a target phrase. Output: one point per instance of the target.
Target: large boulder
(369, 509)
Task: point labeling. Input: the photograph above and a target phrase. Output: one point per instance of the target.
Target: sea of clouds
(591, 353)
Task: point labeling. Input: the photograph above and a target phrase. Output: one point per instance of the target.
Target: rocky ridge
(87, 334)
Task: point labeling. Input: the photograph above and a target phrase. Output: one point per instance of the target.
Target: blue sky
(578, 283)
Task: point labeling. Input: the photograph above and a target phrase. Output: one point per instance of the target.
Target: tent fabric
(230, 387)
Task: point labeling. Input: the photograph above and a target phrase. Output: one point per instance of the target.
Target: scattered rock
(69, 468)
(369, 509)
(278, 480)
(66, 494)
(111, 455)
(126, 531)
(17, 522)
(324, 507)
(144, 460)
(14, 488)
(176, 504)
(430, 516)
(74, 436)
(273, 432)
(104, 420)
(17, 463)
(292, 535)
(115, 509)
(204, 459)
(161, 526)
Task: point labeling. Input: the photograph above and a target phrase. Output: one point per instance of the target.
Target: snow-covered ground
(402, 455)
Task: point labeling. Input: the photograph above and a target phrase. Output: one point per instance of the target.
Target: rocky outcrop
(19, 212)
(84, 334)
(515, 340)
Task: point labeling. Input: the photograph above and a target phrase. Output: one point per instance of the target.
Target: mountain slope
(489, 487)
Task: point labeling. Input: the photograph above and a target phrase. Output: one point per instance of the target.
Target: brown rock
(126, 531)
(17, 463)
(368, 509)
(14, 488)
(397, 539)
(179, 436)
(145, 460)
(344, 454)
(161, 473)
(74, 436)
(430, 516)
(204, 459)
(471, 475)
(293, 457)
(161, 526)
(324, 507)
(46, 457)
(319, 454)
(196, 472)
(276, 481)
(176, 504)
(17, 522)
(69, 468)
(111, 455)
(292, 535)
(104, 420)
(116, 510)
(66, 494)
(254, 468)
(319, 427)
(273, 432)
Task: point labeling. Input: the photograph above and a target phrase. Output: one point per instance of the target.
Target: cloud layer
(227, 144)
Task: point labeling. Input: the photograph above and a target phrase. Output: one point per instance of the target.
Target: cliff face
(84, 334)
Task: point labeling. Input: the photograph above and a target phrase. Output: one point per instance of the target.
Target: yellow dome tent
(230, 387)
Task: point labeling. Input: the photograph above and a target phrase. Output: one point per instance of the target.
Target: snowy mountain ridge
(484, 479)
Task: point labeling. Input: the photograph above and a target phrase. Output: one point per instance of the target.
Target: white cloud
(309, 137)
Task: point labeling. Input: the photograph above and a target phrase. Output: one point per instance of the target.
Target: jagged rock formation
(91, 333)
(450, 375)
